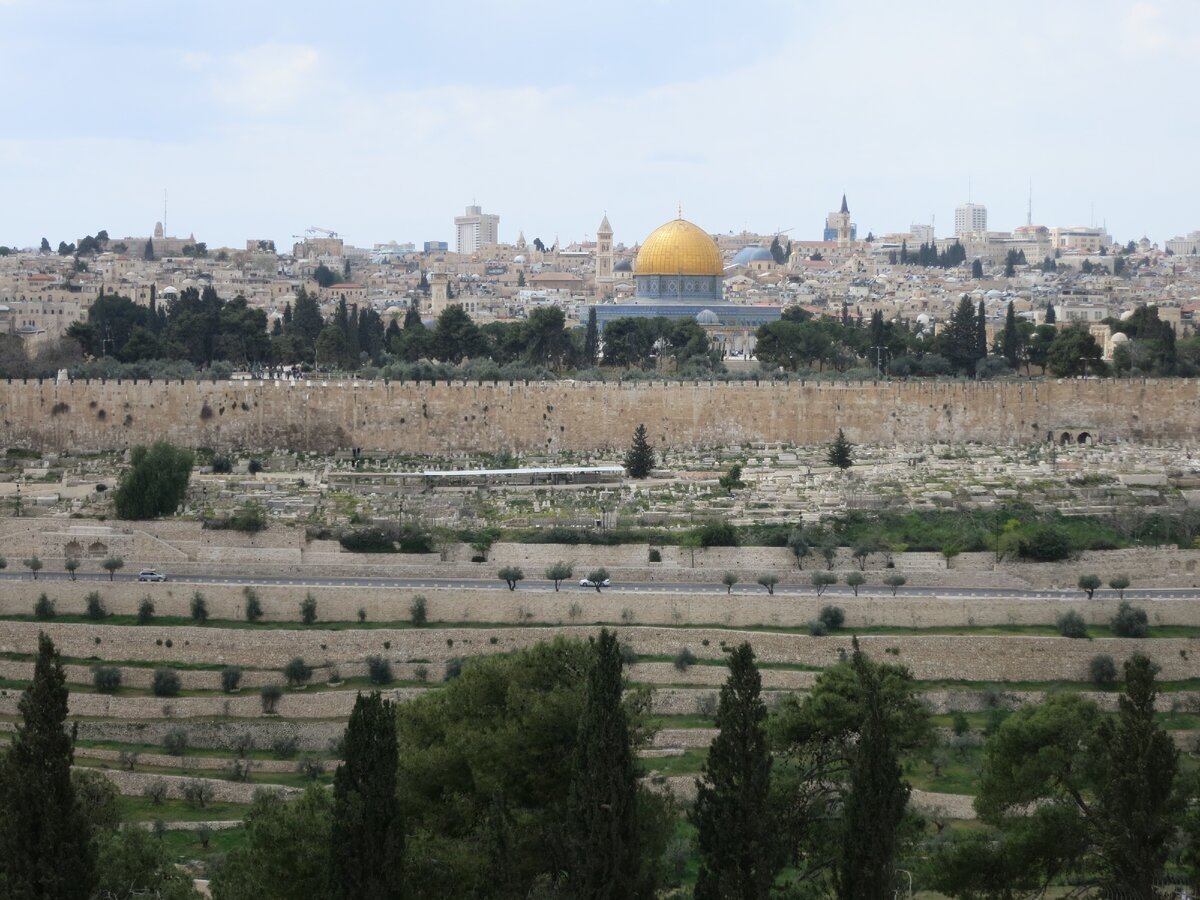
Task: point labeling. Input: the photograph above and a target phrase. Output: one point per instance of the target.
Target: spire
(604, 228)
(845, 208)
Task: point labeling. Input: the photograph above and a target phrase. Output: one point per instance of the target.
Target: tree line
(801, 341)
(520, 779)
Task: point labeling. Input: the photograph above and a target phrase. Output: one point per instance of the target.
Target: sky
(383, 120)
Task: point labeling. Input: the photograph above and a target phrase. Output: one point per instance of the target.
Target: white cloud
(267, 79)
(1144, 29)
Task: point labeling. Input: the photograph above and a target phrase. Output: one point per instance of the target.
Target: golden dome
(679, 248)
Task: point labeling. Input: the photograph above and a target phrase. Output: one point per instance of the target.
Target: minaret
(604, 252)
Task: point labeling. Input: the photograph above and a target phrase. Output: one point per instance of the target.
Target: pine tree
(45, 847)
(875, 802)
(639, 460)
(367, 843)
(740, 850)
(1137, 807)
(841, 452)
(962, 337)
(602, 820)
(306, 319)
(1008, 345)
(591, 339)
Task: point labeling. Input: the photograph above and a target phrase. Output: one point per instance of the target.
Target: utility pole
(879, 351)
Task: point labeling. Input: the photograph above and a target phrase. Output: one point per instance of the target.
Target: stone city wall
(555, 416)
(875, 607)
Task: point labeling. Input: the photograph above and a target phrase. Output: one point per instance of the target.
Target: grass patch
(689, 762)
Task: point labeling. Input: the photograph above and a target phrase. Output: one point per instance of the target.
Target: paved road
(676, 587)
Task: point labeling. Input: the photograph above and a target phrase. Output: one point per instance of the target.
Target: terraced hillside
(189, 718)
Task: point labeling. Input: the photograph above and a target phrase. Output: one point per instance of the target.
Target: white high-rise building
(475, 229)
(970, 218)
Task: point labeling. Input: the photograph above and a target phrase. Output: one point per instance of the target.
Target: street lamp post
(879, 351)
(1084, 359)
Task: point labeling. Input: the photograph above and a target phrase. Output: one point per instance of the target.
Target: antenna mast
(164, 211)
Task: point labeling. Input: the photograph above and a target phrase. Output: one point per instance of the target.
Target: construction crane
(312, 231)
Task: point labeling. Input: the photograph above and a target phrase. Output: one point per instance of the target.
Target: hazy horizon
(383, 124)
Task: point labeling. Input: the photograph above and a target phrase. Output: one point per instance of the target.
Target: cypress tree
(740, 850)
(602, 818)
(639, 460)
(591, 339)
(1009, 344)
(981, 346)
(1051, 317)
(45, 845)
(841, 452)
(148, 251)
(1137, 807)
(367, 847)
(962, 337)
(977, 269)
(875, 802)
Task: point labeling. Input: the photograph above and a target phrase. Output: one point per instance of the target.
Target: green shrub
(199, 608)
(629, 656)
(106, 679)
(297, 672)
(718, 533)
(832, 617)
(44, 608)
(1130, 622)
(308, 609)
(379, 670)
(684, 659)
(166, 683)
(254, 610)
(418, 611)
(454, 667)
(231, 679)
(95, 606)
(1071, 625)
(1046, 543)
(145, 611)
(285, 746)
(403, 539)
(175, 741)
(270, 695)
(1102, 671)
(817, 628)
(655, 555)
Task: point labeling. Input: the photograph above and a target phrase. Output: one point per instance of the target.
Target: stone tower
(439, 292)
(604, 256)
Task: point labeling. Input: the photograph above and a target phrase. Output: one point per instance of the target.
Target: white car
(585, 582)
(151, 575)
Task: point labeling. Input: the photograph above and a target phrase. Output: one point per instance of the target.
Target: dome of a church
(679, 248)
(753, 253)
